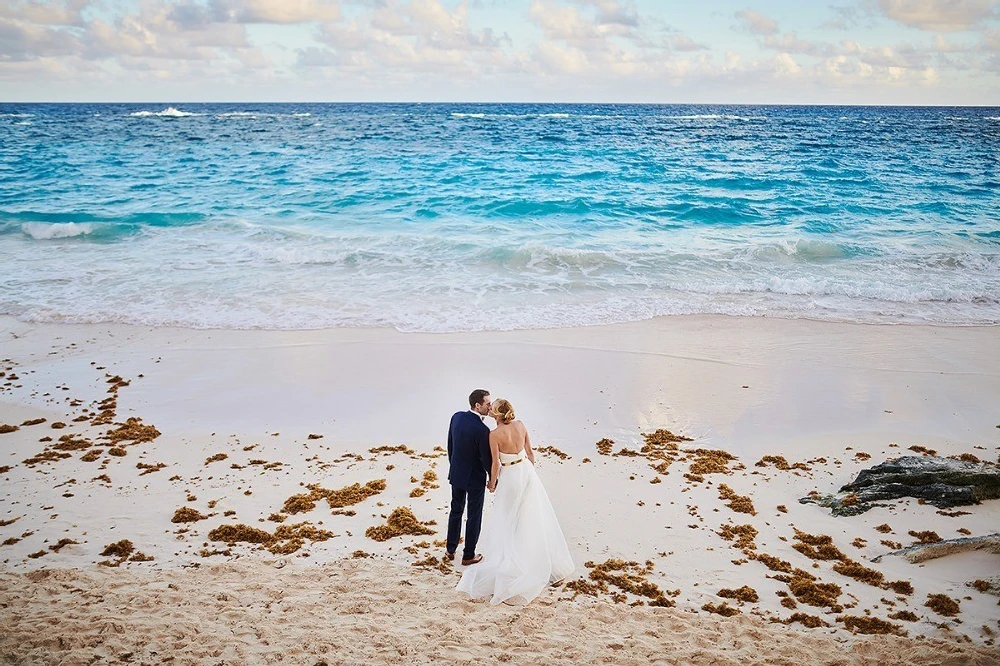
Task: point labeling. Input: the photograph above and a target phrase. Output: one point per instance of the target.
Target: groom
(469, 462)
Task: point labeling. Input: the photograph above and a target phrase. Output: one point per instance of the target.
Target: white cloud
(939, 15)
(756, 23)
(685, 43)
(408, 38)
(67, 12)
(275, 11)
(785, 65)
(21, 40)
(790, 43)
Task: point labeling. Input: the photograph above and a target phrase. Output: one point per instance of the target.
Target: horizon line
(523, 102)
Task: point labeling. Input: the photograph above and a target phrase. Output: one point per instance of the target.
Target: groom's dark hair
(477, 396)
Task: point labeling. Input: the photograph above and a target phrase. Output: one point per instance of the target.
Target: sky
(934, 52)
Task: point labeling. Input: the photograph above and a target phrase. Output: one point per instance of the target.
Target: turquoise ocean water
(447, 217)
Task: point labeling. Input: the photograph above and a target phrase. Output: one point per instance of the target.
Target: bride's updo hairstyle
(504, 410)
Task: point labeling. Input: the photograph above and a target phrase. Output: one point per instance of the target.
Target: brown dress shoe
(475, 560)
(449, 556)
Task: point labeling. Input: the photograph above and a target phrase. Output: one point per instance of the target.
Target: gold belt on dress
(513, 462)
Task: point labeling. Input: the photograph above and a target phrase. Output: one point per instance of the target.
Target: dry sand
(233, 412)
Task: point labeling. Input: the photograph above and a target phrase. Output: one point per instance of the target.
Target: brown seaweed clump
(980, 585)
(742, 535)
(62, 543)
(233, 534)
(133, 430)
(811, 593)
(217, 457)
(289, 538)
(859, 572)
(31, 422)
(738, 503)
(905, 615)
(942, 604)
(870, 625)
(722, 609)
(389, 450)
(925, 537)
(811, 621)
(626, 576)
(149, 469)
(430, 476)
(900, 586)
(401, 521)
(286, 538)
(353, 494)
(117, 451)
(773, 563)
(120, 549)
(92, 455)
(337, 499)
(187, 515)
(710, 461)
(744, 594)
(604, 446)
(6, 427)
(299, 503)
(780, 463)
(553, 451)
(817, 547)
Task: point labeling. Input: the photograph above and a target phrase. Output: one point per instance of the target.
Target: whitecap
(169, 112)
(45, 231)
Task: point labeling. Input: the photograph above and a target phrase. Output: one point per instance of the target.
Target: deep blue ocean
(446, 217)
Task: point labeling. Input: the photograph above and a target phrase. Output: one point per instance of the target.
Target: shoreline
(339, 407)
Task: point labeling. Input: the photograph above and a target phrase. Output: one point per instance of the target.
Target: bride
(524, 548)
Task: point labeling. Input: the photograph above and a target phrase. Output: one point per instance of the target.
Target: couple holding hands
(523, 546)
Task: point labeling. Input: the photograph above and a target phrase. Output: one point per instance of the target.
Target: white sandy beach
(837, 397)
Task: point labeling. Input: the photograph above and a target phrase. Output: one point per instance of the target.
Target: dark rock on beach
(941, 482)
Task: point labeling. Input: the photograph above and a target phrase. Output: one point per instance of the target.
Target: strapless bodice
(507, 459)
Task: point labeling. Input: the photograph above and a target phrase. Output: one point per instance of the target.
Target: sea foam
(46, 231)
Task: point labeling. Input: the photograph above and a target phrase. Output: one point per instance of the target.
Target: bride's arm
(495, 466)
(527, 446)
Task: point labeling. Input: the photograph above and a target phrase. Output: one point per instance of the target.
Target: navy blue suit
(469, 462)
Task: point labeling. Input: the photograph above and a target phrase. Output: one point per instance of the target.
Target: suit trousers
(474, 522)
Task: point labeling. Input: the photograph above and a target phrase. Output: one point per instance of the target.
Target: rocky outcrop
(930, 551)
(941, 482)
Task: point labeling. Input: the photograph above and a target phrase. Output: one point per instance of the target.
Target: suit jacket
(469, 457)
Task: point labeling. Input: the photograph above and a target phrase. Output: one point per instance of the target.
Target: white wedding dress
(522, 544)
